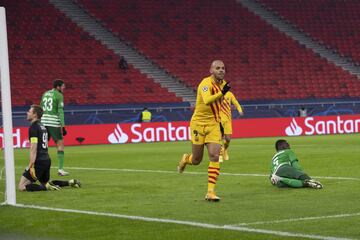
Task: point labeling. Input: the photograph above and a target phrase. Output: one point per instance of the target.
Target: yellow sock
(189, 159)
(222, 150)
(213, 173)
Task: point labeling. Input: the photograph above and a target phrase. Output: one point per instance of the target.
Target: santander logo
(294, 129)
(118, 136)
(149, 133)
(18, 142)
(320, 126)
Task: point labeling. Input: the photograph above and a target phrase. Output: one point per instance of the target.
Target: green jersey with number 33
(52, 103)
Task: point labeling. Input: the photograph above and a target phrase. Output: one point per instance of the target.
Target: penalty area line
(180, 222)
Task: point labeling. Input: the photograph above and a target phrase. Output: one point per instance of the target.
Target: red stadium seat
(44, 44)
(186, 40)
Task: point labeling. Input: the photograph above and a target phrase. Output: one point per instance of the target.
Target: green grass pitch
(139, 181)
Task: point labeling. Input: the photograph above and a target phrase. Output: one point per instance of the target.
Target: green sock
(295, 183)
(60, 157)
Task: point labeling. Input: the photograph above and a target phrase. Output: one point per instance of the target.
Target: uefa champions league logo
(294, 129)
(118, 136)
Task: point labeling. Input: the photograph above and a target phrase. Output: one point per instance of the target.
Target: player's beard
(219, 78)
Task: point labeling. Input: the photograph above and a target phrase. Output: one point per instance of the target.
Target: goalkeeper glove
(64, 132)
(32, 173)
(226, 88)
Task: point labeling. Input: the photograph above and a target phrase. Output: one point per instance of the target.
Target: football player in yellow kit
(205, 125)
(226, 122)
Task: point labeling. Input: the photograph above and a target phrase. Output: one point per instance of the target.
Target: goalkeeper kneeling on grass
(39, 164)
(286, 170)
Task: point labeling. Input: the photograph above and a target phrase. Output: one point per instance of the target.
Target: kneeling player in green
(286, 170)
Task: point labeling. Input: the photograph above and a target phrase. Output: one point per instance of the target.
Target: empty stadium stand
(334, 23)
(181, 36)
(44, 45)
(185, 36)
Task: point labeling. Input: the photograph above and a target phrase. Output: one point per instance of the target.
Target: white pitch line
(298, 219)
(195, 173)
(188, 223)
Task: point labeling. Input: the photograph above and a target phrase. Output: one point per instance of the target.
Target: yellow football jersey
(208, 101)
(227, 100)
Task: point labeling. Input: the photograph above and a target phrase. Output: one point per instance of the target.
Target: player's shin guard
(213, 173)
